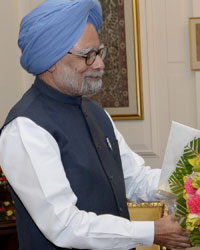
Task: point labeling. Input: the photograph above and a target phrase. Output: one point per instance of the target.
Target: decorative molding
(145, 204)
(148, 65)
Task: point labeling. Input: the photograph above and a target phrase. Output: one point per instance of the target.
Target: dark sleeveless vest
(97, 181)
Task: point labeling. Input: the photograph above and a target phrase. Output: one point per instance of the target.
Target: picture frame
(147, 211)
(194, 34)
(121, 94)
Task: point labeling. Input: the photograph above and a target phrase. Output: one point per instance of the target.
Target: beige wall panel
(182, 100)
(177, 29)
(196, 13)
(10, 84)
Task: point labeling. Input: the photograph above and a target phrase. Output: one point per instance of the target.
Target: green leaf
(195, 237)
(198, 149)
(195, 144)
(183, 223)
(189, 155)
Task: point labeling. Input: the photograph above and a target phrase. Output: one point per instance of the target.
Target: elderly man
(59, 150)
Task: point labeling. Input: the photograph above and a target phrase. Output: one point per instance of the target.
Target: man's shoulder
(21, 107)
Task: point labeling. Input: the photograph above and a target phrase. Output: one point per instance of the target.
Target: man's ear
(52, 69)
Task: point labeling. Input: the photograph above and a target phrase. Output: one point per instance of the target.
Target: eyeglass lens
(93, 54)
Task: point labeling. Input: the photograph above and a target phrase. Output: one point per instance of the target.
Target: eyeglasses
(91, 55)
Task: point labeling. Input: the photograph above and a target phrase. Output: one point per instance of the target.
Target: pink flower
(188, 187)
(193, 203)
(198, 225)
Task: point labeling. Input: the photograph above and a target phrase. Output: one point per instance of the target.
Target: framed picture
(121, 94)
(194, 31)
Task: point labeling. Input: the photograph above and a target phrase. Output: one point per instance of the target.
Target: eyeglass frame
(97, 52)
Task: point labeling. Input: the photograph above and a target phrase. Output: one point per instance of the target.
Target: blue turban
(48, 32)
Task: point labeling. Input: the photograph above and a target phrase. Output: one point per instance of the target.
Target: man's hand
(169, 234)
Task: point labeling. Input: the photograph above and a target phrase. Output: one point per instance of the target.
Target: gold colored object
(138, 68)
(147, 212)
(194, 34)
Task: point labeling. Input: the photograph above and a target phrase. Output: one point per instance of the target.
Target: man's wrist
(144, 232)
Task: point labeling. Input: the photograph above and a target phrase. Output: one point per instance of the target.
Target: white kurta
(30, 159)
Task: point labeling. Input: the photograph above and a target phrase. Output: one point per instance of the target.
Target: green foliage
(176, 182)
(195, 238)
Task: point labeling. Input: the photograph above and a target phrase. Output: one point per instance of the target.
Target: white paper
(180, 135)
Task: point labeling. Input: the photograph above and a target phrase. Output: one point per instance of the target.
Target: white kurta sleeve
(141, 181)
(31, 161)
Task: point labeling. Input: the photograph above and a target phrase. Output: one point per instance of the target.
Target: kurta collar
(55, 94)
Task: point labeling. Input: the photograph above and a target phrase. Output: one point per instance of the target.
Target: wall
(9, 65)
(14, 80)
(170, 89)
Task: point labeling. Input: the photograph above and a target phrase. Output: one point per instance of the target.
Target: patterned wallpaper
(115, 81)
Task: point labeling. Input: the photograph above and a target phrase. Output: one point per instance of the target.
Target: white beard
(69, 81)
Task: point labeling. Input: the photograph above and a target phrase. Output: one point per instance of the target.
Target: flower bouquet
(185, 185)
(180, 178)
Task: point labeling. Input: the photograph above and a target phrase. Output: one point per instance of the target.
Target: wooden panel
(8, 236)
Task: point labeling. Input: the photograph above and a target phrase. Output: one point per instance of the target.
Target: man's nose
(98, 63)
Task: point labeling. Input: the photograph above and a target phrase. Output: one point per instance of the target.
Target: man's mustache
(95, 74)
